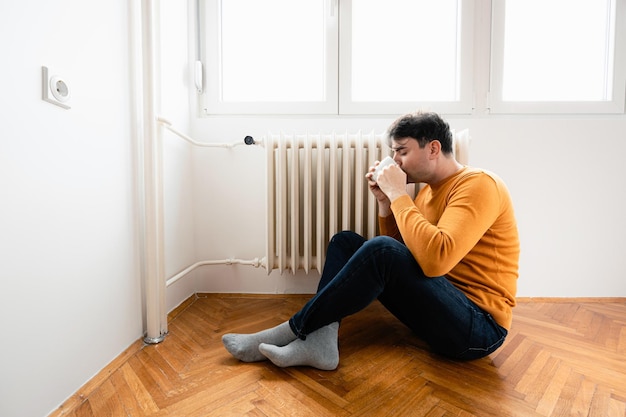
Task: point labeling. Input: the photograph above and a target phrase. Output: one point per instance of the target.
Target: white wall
(70, 290)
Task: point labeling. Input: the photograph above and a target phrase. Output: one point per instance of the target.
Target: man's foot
(319, 350)
(245, 347)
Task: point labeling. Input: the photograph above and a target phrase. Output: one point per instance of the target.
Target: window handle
(333, 7)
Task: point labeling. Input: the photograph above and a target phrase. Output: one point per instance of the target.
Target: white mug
(384, 163)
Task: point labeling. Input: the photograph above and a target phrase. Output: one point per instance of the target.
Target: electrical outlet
(55, 89)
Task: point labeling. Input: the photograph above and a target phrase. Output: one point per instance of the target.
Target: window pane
(557, 50)
(272, 50)
(405, 50)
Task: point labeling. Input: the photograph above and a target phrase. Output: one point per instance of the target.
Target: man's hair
(423, 127)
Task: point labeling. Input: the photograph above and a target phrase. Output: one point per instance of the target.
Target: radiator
(316, 187)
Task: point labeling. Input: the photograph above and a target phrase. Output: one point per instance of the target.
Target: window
(284, 56)
(399, 55)
(556, 56)
(263, 64)
(271, 57)
(351, 57)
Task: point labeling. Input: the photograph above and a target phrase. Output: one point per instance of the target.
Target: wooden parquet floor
(560, 359)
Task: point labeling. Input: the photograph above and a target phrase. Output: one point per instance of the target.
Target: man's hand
(384, 203)
(392, 182)
(376, 191)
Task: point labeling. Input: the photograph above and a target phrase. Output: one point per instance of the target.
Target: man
(446, 264)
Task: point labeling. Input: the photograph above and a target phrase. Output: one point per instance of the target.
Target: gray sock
(319, 350)
(245, 347)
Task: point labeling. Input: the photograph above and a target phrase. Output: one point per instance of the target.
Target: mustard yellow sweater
(464, 228)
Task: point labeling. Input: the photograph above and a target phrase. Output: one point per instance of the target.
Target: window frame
(211, 97)
(496, 105)
(464, 105)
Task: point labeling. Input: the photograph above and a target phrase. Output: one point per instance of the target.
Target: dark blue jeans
(358, 271)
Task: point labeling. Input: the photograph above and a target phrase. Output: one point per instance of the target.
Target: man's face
(414, 161)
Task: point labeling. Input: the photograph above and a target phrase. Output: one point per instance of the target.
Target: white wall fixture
(55, 89)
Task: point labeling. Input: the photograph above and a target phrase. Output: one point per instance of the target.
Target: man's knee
(346, 235)
(383, 242)
(348, 239)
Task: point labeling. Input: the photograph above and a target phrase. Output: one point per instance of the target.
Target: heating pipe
(151, 150)
(256, 262)
(248, 140)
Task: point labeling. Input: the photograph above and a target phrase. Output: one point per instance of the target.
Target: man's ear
(434, 148)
